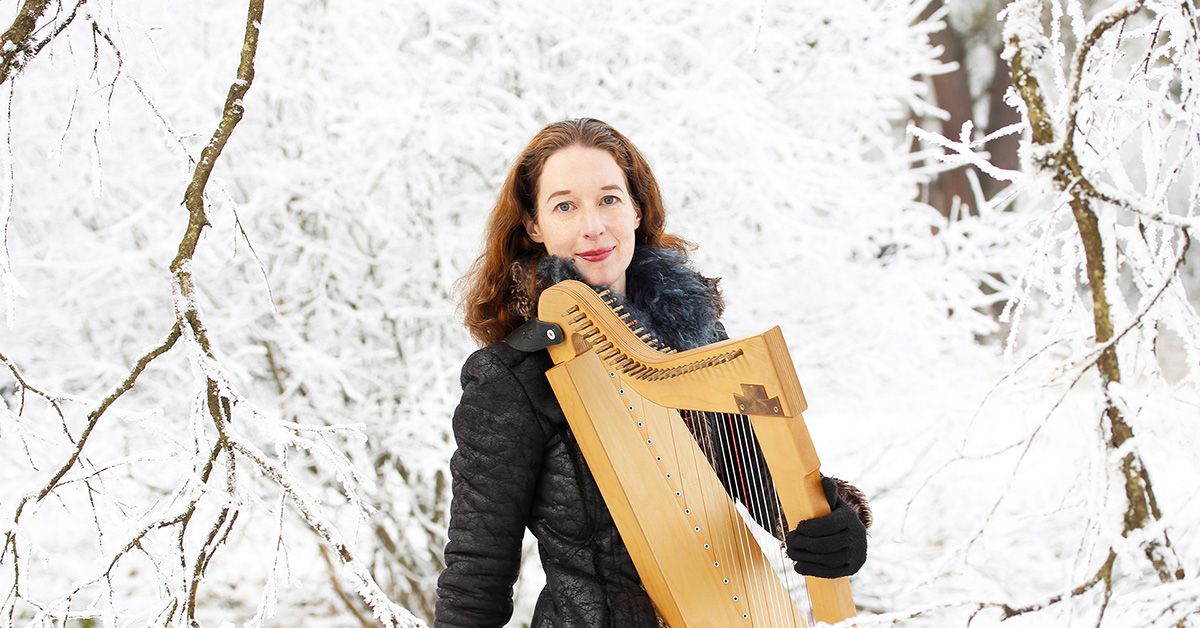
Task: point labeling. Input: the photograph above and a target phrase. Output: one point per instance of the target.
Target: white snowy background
(352, 196)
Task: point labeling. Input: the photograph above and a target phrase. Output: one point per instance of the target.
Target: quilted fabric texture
(517, 466)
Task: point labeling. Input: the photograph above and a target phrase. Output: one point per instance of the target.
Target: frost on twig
(1108, 185)
(1065, 145)
(17, 45)
(183, 532)
(963, 150)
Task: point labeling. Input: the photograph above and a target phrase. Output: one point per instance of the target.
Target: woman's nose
(593, 222)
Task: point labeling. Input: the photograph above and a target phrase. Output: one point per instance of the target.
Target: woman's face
(585, 214)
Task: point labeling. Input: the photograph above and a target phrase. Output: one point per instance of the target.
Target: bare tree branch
(1063, 163)
(1093, 356)
(1099, 28)
(94, 416)
(17, 42)
(1103, 574)
(188, 317)
(57, 29)
(232, 114)
(347, 599)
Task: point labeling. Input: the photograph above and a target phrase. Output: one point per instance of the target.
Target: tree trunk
(1002, 150)
(1141, 507)
(952, 92)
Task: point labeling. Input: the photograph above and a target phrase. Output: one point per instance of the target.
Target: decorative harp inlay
(753, 400)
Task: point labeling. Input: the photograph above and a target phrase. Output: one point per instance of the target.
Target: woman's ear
(532, 229)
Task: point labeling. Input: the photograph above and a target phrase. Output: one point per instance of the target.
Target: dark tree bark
(952, 92)
(1003, 150)
(16, 43)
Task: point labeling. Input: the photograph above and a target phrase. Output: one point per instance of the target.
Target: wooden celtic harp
(697, 557)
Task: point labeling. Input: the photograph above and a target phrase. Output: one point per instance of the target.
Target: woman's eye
(563, 206)
(610, 200)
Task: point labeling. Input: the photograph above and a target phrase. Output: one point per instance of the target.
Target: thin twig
(1103, 574)
(1099, 28)
(1094, 355)
(93, 417)
(57, 29)
(346, 598)
(49, 399)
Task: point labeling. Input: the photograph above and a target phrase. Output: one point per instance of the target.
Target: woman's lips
(597, 256)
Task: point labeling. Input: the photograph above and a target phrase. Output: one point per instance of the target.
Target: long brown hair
(509, 256)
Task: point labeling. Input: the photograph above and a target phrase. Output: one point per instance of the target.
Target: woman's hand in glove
(831, 546)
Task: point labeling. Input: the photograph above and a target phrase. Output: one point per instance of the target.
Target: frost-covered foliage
(350, 198)
(1113, 133)
(1136, 115)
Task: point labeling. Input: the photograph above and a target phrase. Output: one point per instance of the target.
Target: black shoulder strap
(534, 335)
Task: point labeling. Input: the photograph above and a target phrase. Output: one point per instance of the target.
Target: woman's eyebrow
(613, 186)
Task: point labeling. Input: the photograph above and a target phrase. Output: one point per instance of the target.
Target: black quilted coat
(518, 466)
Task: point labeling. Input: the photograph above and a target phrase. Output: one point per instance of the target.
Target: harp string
(691, 500)
(735, 481)
(764, 497)
(754, 495)
(723, 545)
(735, 455)
(722, 548)
(746, 472)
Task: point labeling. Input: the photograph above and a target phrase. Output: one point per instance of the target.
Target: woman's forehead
(579, 170)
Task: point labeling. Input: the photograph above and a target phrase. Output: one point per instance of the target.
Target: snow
(372, 146)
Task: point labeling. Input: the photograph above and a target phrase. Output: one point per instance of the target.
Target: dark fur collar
(663, 295)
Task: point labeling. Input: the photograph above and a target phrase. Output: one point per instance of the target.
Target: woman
(579, 203)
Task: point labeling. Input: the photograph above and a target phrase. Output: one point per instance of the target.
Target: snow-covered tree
(232, 355)
(1110, 187)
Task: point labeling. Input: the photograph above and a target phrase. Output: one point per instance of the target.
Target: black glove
(831, 546)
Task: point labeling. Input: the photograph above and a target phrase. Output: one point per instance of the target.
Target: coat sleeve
(494, 473)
